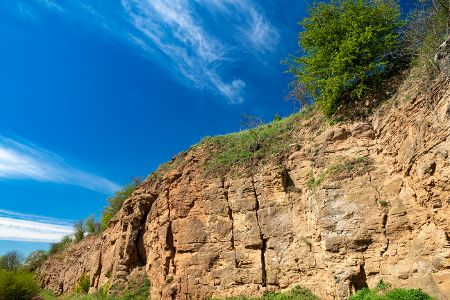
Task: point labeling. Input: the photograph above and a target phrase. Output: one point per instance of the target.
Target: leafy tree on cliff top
(346, 45)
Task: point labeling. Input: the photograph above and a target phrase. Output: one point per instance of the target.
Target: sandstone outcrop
(349, 205)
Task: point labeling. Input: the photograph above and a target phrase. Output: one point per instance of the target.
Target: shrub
(115, 202)
(348, 45)
(17, 285)
(428, 27)
(35, 260)
(383, 291)
(138, 291)
(79, 231)
(297, 293)
(91, 226)
(61, 245)
(83, 285)
(407, 294)
(349, 168)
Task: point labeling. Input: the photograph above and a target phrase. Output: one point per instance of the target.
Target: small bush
(138, 291)
(115, 202)
(79, 231)
(353, 167)
(61, 245)
(407, 294)
(35, 260)
(383, 291)
(91, 226)
(296, 293)
(83, 285)
(348, 169)
(383, 203)
(314, 182)
(17, 285)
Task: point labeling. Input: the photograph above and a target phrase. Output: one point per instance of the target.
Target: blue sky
(95, 92)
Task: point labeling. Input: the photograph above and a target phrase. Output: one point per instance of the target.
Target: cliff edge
(336, 209)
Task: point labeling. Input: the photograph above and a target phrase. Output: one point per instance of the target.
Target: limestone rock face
(352, 204)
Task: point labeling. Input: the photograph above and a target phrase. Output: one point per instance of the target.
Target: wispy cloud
(27, 161)
(172, 28)
(196, 41)
(254, 29)
(31, 228)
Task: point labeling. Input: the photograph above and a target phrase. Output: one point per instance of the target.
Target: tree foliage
(384, 291)
(92, 227)
(17, 285)
(428, 27)
(35, 260)
(61, 245)
(11, 261)
(115, 202)
(347, 45)
(79, 231)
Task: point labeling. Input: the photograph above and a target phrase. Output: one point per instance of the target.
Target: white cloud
(173, 28)
(254, 29)
(21, 161)
(31, 228)
(196, 41)
(52, 5)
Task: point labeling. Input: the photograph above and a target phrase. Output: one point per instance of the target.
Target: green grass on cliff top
(247, 147)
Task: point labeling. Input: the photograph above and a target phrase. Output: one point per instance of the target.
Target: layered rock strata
(351, 204)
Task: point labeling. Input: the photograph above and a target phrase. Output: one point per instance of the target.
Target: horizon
(98, 93)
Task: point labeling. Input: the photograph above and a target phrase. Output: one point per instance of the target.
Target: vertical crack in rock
(288, 183)
(170, 245)
(170, 260)
(230, 216)
(263, 240)
(140, 247)
(358, 281)
(383, 224)
(98, 271)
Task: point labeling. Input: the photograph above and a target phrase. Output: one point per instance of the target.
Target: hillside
(330, 207)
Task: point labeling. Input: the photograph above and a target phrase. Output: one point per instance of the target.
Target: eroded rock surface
(352, 204)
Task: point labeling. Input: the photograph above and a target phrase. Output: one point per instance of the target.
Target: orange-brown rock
(351, 204)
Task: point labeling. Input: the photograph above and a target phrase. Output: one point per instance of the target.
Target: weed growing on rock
(83, 285)
(348, 169)
(248, 147)
(383, 291)
(297, 293)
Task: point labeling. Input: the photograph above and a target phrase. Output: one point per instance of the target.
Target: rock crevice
(381, 212)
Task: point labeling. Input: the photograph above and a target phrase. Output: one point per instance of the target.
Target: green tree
(35, 260)
(11, 261)
(115, 202)
(17, 285)
(61, 245)
(347, 45)
(91, 226)
(79, 231)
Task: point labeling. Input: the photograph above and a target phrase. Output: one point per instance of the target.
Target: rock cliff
(345, 206)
